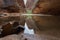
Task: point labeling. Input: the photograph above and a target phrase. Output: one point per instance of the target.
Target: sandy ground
(29, 37)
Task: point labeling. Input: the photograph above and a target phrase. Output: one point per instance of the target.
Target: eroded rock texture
(51, 7)
(12, 6)
(11, 28)
(48, 24)
(47, 7)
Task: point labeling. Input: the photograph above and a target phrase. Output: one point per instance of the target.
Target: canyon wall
(12, 6)
(47, 7)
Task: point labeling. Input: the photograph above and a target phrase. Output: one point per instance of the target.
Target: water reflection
(27, 30)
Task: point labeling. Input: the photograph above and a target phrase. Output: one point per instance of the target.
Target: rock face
(9, 29)
(51, 7)
(1, 3)
(12, 5)
(45, 23)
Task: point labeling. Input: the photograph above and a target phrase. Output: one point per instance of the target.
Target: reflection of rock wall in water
(47, 22)
(12, 6)
(4, 20)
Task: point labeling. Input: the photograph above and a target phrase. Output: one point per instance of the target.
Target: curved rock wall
(50, 7)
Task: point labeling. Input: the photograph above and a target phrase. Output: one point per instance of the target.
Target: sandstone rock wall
(12, 6)
(50, 7)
